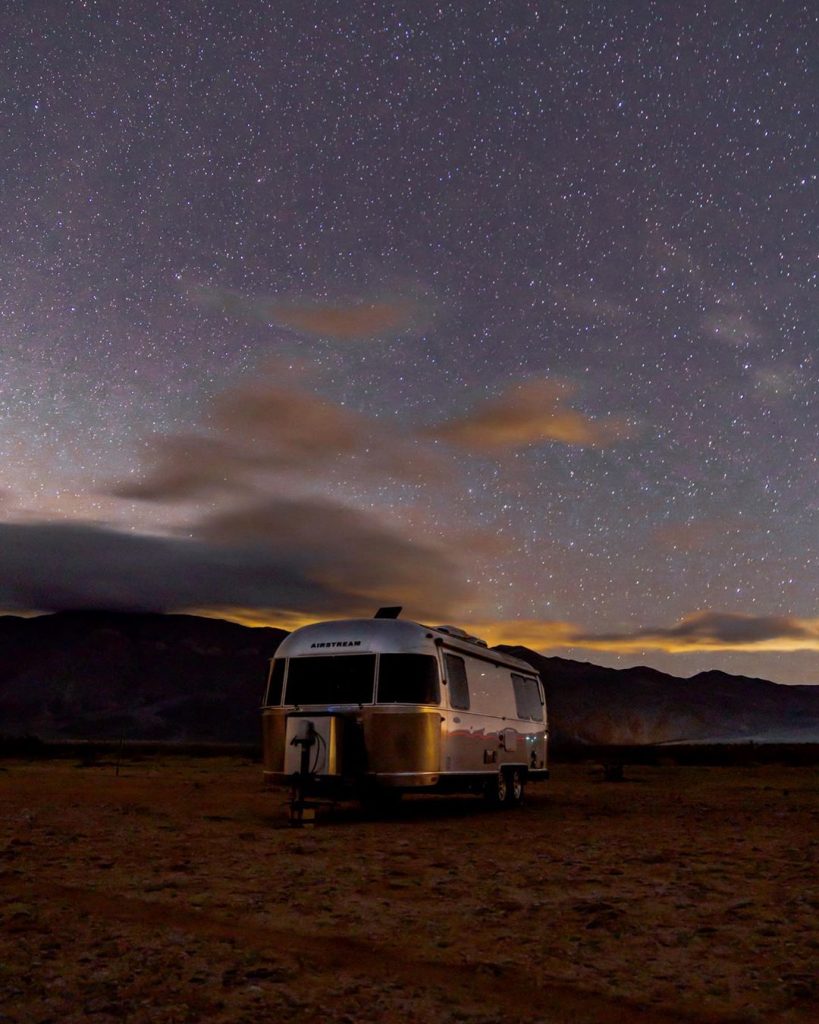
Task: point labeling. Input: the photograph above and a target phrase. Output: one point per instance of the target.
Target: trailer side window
(527, 698)
(331, 679)
(408, 679)
(274, 685)
(458, 685)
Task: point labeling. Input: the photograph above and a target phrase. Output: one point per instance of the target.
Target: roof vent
(388, 613)
(461, 634)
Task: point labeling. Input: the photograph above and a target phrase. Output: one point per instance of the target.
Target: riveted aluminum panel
(402, 740)
(273, 740)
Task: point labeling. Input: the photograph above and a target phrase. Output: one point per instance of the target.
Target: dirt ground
(176, 892)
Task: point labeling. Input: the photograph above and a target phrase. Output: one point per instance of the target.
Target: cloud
(256, 467)
(55, 566)
(700, 631)
(342, 320)
(346, 549)
(530, 413)
(290, 561)
(262, 428)
(258, 484)
(362, 320)
(720, 631)
(294, 557)
(538, 634)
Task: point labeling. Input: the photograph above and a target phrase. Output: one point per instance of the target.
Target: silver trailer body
(392, 704)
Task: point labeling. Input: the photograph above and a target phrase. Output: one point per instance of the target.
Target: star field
(548, 270)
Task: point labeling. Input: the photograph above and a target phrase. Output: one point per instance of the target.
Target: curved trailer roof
(377, 636)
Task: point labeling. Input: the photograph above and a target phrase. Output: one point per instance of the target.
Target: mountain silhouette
(591, 704)
(183, 678)
(106, 675)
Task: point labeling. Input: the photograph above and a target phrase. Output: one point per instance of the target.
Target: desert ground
(175, 891)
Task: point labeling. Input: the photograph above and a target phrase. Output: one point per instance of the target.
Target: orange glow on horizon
(552, 635)
(549, 635)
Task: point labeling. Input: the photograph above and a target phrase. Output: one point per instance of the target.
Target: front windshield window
(274, 686)
(408, 679)
(331, 679)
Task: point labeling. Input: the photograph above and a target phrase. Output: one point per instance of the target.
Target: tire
(497, 790)
(514, 787)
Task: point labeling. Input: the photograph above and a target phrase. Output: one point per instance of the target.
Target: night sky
(505, 312)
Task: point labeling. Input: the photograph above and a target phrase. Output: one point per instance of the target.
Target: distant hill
(102, 675)
(592, 704)
(106, 675)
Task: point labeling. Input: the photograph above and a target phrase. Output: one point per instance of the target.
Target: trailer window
(331, 679)
(527, 698)
(408, 679)
(458, 685)
(274, 686)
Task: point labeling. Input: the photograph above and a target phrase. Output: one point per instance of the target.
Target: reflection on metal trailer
(366, 706)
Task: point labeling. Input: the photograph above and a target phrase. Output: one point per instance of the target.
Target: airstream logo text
(339, 643)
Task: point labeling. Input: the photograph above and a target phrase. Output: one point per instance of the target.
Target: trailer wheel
(514, 788)
(497, 790)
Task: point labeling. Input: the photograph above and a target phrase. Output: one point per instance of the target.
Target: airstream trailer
(373, 706)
